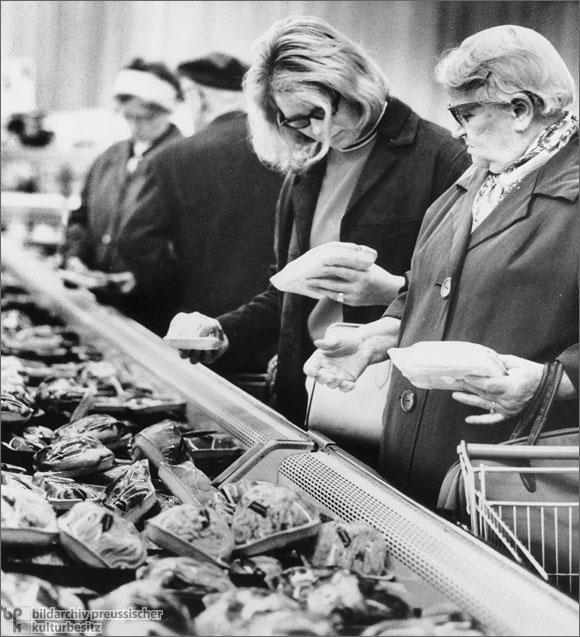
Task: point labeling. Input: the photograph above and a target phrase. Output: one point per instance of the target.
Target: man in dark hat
(201, 235)
(217, 69)
(213, 85)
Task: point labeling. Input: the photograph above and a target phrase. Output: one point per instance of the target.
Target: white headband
(147, 87)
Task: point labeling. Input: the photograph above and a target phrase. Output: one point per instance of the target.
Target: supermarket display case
(437, 561)
(36, 219)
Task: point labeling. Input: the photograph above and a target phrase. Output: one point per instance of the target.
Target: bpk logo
(13, 619)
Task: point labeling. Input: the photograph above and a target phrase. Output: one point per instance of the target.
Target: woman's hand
(338, 361)
(505, 396)
(124, 281)
(74, 264)
(344, 354)
(354, 286)
(195, 325)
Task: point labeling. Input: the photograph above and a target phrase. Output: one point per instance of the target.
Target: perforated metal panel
(504, 598)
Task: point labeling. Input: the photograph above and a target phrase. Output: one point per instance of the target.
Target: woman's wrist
(387, 286)
(376, 348)
(378, 337)
(394, 285)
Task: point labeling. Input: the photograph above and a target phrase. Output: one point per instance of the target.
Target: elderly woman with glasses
(361, 168)
(496, 264)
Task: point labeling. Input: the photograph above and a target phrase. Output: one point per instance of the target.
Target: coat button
(408, 400)
(446, 287)
(106, 239)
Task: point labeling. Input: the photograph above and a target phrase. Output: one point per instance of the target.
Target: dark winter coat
(512, 285)
(201, 237)
(93, 229)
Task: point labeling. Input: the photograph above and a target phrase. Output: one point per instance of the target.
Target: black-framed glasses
(298, 122)
(461, 111)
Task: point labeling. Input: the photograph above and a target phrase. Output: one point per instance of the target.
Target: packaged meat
(192, 531)
(107, 429)
(188, 483)
(230, 613)
(275, 513)
(345, 596)
(20, 480)
(28, 591)
(15, 410)
(74, 457)
(59, 397)
(353, 545)
(186, 575)
(96, 536)
(63, 493)
(233, 491)
(160, 443)
(26, 517)
(260, 570)
(132, 493)
(172, 616)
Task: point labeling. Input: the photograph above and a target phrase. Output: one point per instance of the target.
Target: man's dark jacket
(202, 232)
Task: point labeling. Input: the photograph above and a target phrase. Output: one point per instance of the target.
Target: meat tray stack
(111, 500)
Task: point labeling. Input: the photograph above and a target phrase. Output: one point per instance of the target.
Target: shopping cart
(514, 499)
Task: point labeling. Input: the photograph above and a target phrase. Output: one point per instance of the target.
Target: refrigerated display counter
(436, 560)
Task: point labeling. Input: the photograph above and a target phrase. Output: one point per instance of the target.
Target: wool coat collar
(558, 178)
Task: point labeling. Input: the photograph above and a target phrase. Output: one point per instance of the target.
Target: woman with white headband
(146, 95)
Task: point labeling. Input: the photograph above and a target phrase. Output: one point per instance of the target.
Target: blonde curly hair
(307, 58)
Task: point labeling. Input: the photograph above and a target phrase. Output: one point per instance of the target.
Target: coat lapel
(304, 197)
(397, 128)
(461, 217)
(548, 180)
(119, 168)
(508, 211)
(379, 162)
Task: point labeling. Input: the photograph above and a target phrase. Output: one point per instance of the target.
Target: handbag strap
(535, 414)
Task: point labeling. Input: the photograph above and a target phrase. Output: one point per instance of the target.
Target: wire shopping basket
(518, 500)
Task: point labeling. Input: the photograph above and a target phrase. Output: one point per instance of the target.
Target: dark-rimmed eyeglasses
(298, 122)
(461, 111)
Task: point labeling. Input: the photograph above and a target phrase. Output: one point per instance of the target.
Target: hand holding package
(311, 265)
(194, 332)
(441, 364)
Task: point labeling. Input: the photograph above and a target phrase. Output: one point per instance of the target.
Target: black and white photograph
(289, 318)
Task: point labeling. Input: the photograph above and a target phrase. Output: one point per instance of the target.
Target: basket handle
(496, 452)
